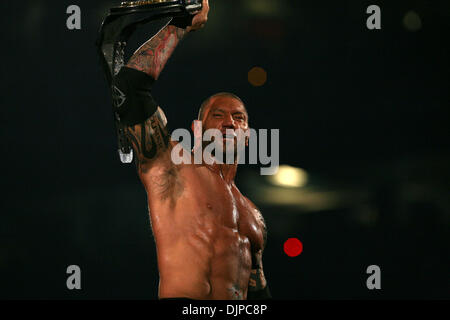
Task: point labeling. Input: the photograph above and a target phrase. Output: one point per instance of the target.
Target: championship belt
(116, 29)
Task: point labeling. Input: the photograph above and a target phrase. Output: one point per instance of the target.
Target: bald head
(205, 105)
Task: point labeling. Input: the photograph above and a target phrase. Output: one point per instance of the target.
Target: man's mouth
(229, 136)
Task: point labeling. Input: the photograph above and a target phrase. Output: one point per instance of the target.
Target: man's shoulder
(248, 202)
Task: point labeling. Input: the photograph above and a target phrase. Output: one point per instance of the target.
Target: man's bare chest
(206, 202)
(229, 208)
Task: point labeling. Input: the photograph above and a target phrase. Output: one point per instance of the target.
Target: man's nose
(228, 121)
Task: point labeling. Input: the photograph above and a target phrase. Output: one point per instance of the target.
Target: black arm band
(263, 294)
(131, 96)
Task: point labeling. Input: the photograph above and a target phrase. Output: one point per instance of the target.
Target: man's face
(224, 113)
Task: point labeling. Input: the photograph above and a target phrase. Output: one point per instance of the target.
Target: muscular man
(209, 237)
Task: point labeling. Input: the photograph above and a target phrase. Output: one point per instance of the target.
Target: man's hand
(200, 18)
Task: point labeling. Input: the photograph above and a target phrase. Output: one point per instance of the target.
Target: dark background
(364, 112)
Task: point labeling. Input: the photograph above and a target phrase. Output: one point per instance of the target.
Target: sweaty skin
(209, 237)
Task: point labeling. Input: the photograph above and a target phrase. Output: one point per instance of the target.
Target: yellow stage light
(288, 176)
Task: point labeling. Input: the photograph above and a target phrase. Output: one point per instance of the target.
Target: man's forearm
(152, 56)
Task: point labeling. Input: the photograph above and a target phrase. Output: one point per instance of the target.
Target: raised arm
(152, 56)
(148, 134)
(144, 120)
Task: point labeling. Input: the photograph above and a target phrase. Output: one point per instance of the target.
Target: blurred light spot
(257, 76)
(288, 176)
(265, 7)
(303, 199)
(412, 21)
(293, 247)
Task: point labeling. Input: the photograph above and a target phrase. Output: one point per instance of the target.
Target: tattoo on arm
(149, 138)
(236, 292)
(152, 56)
(257, 280)
(263, 225)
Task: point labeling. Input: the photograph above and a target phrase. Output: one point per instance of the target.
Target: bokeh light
(257, 76)
(288, 176)
(412, 21)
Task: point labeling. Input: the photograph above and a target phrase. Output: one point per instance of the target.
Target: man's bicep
(150, 138)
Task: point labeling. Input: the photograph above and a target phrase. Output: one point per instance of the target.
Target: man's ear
(198, 132)
(197, 127)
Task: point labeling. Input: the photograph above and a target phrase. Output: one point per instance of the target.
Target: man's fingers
(200, 17)
(205, 7)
